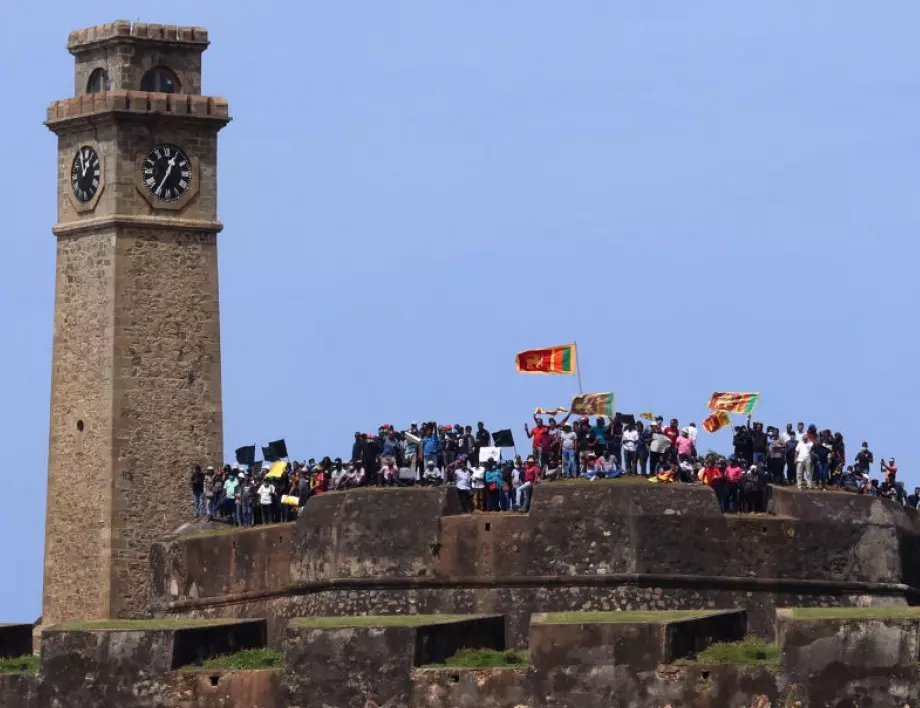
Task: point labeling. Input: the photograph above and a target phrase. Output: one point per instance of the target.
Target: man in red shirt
(525, 491)
(673, 432)
(538, 434)
(712, 476)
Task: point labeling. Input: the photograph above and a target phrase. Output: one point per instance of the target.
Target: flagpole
(577, 366)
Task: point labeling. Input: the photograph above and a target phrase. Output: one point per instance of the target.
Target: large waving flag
(552, 360)
(734, 402)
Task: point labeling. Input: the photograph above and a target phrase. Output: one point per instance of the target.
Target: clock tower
(135, 388)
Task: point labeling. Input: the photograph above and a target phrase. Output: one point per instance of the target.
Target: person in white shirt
(478, 484)
(340, 475)
(569, 440)
(265, 491)
(463, 482)
(692, 432)
(803, 462)
(630, 444)
(432, 474)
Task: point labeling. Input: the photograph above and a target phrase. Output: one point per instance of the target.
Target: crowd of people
(430, 455)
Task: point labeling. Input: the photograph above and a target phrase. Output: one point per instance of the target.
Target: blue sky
(706, 196)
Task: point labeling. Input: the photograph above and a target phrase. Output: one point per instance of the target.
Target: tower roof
(124, 31)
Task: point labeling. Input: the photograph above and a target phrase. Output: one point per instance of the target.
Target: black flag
(246, 455)
(280, 448)
(503, 438)
(275, 451)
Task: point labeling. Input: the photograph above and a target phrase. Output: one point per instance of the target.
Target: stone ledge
(175, 104)
(133, 222)
(123, 29)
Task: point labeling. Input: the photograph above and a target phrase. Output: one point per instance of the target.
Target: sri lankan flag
(554, 360)
(734, 402)
(593, 404)
(716, 421)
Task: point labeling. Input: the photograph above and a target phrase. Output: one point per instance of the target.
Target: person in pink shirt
(733, 475)
(684, 446)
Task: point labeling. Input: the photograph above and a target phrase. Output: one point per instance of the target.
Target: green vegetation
(484, 659)
(615, 617)
(20, 665)
(166, 623)
(750, 650)
(377, 621)
(856, 612)
(245, 660)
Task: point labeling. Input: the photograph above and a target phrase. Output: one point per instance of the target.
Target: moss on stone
(855, 613)
(617, 617)
(484, 659)
(28, 664)
(246, 660)
(378, 621)
(750, 650)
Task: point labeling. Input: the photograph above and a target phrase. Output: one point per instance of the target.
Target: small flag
(550, 411)
(503, 438)
(716, 421)
(553, 360)
(246, 456)
(593, 404)
(648, 415)
(734, 402)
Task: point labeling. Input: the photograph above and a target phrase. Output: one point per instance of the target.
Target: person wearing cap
(529, 477)
(390, 444)
(432, 476)
(538, 433)
(430, 445)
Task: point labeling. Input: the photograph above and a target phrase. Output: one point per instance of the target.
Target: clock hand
(169, 166)
(82, 165)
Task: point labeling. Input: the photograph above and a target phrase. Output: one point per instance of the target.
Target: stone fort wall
(582, 547)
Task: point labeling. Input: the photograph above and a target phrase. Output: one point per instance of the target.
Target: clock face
(167, 172)
(85, 174)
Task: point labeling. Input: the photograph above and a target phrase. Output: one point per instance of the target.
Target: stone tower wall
(137, 331)
(167, 393)
(77, 526)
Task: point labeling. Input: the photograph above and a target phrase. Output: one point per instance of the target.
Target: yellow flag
(277, 469)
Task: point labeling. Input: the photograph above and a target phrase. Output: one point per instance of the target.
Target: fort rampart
(592, 547)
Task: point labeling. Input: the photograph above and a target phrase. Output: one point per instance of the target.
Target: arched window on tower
(160, 79)
(98, 81)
